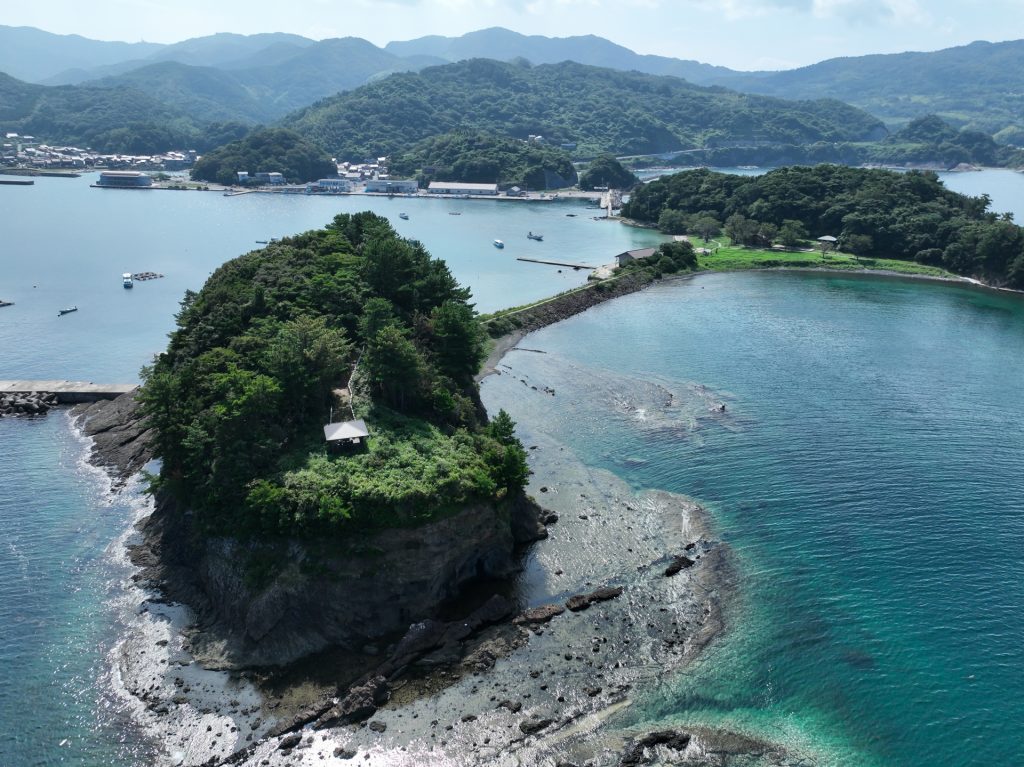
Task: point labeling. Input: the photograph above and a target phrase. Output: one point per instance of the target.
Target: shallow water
(868, 474)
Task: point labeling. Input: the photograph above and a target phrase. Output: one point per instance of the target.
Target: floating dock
(68, 392)
(556, 263)
(17, 181)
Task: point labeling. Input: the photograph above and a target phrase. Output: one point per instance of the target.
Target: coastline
(585, 720)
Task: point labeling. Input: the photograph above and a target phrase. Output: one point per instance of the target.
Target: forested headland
(239, 399)
(486, 159)
(873, 213)
(267, 149)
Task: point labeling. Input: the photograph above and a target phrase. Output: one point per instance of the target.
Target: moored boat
(126, 279)
(404, 216)
(62, 312)
(537, 237)
(499, 244)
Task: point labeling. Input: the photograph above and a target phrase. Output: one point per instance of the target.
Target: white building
(460, 187)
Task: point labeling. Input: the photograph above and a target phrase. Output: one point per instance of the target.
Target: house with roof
(634, 255)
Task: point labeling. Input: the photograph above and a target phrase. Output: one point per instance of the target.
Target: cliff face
(265, 604)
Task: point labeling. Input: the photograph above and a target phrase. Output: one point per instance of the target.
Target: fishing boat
(404, 216)
(499, 244)
(454, 213)
(537, 237)
(62, 312)
(126, 280)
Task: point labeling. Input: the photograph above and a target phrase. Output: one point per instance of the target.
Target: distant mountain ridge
(262, 78)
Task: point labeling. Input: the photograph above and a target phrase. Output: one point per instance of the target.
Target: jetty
(556, 263)
(67, 392)
(17, 181)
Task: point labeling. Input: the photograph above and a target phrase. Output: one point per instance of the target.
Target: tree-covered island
(239, 400)
(872, 214)
(283, 544)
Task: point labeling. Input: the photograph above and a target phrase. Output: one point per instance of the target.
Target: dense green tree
(873, 213)
(394, 366)
(485, 158)
(266, 150)
(239, 399)
(606, 171)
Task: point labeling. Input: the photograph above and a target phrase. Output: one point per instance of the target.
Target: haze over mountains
(262, 78)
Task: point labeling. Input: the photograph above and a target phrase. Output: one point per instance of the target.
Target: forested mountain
(598, 109)
(204, 93)
(33, 55)
(910, 216)
(261, 91)
(112, 120)
(506, 45)
(980, 85)
(223, 50)
(487, 159)
(267, 150)
(265, 92)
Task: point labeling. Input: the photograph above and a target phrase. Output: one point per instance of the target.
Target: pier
(556, 263)
(67, 392)
(17, 181)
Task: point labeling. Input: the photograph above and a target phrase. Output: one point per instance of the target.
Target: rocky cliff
(271, 603)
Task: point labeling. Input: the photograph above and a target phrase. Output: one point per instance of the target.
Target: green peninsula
(871, 214)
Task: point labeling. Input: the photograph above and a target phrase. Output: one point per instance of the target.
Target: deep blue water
(869, 476)
(870, 483)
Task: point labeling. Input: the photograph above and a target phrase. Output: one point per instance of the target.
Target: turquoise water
(869, 479)
(868, 475)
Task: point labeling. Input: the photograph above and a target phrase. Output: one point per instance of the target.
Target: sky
(740, 34)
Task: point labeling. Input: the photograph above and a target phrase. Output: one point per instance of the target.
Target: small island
(284, 542)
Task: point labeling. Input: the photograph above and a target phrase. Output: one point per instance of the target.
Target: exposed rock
(377, 726)
(344, 753)
(636, 753)
(290, 741)
(679, 563)
(537, 615)
(121, 439)
(533, 726)
(512, 705)
(359, 704)
(583, 601)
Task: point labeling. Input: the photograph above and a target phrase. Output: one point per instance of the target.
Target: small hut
(346, 433)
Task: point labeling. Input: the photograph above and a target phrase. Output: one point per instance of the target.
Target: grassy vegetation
(729, 258)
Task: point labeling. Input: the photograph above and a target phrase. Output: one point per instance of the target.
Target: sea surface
(869, 481)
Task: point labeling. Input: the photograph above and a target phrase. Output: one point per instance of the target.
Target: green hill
(600, 110)
(487, 159)
(267, 150)
(239, 399)
(980, 85)
(106, 119)
(204, 93)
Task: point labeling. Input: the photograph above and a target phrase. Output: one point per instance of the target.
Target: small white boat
(499, 244)
(404, 216)
(126, 279)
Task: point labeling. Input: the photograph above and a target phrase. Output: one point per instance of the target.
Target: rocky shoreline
(619, 591)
